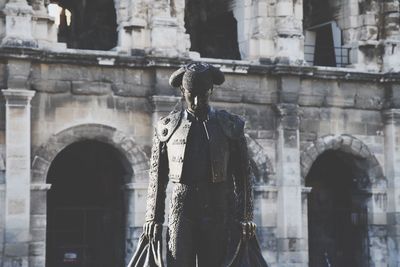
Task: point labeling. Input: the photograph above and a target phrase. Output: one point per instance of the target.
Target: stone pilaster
(18, 145)
(136, 194)
(167, 31)
(38, 223)
(366, 51)
(392, 167)
(391, 18)
(292, 247)
(18, 28)
(255, 29)
(44, 29)
(289, 39)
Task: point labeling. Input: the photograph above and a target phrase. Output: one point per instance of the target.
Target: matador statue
(202, 151)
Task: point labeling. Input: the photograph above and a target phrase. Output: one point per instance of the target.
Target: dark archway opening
(92, 24)
(212, 28)
(85, 207)
(337, 211)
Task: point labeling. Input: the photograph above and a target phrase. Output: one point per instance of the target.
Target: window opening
(89, 24)
(212, 28)
(323, 45)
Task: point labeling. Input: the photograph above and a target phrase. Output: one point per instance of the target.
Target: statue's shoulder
(231, 124)
(167, 125)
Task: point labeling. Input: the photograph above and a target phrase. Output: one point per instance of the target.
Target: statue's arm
(243, 181)
(158, 180)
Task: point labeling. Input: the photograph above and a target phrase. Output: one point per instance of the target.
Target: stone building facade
(317, 82)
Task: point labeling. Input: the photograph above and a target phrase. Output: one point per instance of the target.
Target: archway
(137, 164)
(85, 206)
(338, 211)
(346, 204)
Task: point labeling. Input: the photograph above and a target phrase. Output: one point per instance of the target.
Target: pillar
(167, 31)
(44, 29)
(18, 145)
(291, 241)
(18, 28)
(392, 168)
(391, 18)
(289, 39)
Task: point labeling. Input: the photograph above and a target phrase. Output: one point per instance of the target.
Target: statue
(202, 152)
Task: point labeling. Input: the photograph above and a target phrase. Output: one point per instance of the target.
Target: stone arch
(370, 197)
(261, 162)
(133, 158)
(134, 154)
(344, 143)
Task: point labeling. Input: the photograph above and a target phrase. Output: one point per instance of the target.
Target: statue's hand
(248, 230)
(153, 230)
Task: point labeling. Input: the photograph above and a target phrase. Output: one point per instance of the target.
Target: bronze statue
(203, 152)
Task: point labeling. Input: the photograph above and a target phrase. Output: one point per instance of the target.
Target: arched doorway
(85, 207)
(338, 210)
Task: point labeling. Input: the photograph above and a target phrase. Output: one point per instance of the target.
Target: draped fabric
(247, 254)
(147, 254)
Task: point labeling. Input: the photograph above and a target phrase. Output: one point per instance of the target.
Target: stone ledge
(91, 57)
(43, 187)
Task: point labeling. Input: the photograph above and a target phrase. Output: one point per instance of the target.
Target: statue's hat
(197, 77)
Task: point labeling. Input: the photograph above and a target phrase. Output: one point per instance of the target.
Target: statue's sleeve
(158, 180)
(243, 180)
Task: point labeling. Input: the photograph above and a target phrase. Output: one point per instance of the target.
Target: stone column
(391, 18)
(18, 28)
(167, 31)
(44, 29)
(18, 145)
(255, 29)
(392, 167)
(366, 51)
(136, 194)
(291, 242)
(289, 39)
(38, 224)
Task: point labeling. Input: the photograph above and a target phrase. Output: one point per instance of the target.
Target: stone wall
(294, 112)
(329, 103)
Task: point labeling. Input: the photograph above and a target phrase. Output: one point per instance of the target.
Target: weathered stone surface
(91, 88)
(336, 110)
(51, 86)
(124, 89)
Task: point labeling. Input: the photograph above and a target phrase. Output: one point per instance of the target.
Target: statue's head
(196, 81)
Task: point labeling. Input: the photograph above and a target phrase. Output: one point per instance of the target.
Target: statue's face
(197, 101)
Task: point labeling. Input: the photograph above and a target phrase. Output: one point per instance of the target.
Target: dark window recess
(85, 207)
(323, 44)
(93, 24)
(338, 211)
(316, 12)
(324, 48)
(212, 29)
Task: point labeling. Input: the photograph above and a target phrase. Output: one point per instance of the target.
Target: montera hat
(196, 77)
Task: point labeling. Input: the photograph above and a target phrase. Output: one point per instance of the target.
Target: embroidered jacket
(228, 156)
